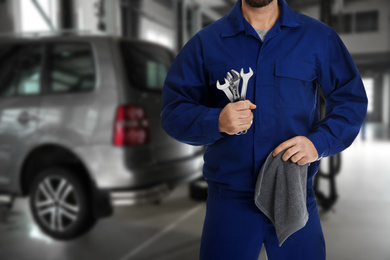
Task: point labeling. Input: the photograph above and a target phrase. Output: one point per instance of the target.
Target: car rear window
(72, 68)
(146, 64)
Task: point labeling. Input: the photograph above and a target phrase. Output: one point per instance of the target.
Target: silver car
(80, 128)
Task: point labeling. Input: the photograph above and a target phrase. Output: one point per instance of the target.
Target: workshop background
(353, 189)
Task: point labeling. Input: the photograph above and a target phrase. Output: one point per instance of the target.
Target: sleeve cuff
(210, 123)
(320, 142)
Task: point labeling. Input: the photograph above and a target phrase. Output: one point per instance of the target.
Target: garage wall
(157, 24)
(360, 43)
(386, 100)
(85, 18)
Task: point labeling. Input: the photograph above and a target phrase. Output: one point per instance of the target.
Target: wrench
(226, 88)
(245, 79)
(234, 84)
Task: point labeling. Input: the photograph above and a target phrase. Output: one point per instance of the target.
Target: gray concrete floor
(357, 228)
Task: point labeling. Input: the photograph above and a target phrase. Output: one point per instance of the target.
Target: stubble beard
(258, 3)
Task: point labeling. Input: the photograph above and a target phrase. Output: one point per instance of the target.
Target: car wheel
(61, 204)
(198, 190)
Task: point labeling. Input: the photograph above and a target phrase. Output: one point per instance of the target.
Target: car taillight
(131, 126)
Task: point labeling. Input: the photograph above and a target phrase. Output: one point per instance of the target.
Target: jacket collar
(235, 22)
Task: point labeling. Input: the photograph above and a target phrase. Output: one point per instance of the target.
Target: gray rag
(281, 195)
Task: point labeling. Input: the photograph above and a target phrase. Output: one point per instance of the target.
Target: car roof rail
(62, 32)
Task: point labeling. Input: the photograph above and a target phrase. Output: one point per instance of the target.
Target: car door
(20, 88)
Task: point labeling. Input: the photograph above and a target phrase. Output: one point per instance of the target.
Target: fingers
(246, 121)
(299, 149)
(251, 105)
(303, 161)
(291, 152)
(283, 146)
(243, 124)
(244, 105)
(297, 157)
(236, 117)
(245, 114)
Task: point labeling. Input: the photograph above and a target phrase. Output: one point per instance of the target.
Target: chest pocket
(294, 84)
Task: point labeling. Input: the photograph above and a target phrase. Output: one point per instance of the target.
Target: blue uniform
(299, 56)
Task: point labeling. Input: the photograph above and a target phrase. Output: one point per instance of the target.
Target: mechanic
(292, 57)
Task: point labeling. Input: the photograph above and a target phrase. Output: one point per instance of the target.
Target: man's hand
(300, 149)
(236, 117)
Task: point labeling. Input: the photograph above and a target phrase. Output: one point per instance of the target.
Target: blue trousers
(235, 229)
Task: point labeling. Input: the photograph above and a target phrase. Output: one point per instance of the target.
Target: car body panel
(82, 123)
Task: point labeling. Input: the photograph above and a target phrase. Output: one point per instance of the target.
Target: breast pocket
(295, 84)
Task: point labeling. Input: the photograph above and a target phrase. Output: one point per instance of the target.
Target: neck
(261, 17)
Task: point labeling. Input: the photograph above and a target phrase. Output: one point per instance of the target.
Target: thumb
(251, 105)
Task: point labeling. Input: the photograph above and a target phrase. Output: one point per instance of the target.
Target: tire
(198, 190)
(61, 204)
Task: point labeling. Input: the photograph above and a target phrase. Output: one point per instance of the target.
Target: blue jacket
(298, 56)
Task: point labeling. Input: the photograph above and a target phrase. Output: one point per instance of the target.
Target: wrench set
(231, 86)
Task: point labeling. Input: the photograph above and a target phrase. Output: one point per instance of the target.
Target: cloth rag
(281, 195)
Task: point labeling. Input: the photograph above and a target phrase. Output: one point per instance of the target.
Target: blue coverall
(298, 56)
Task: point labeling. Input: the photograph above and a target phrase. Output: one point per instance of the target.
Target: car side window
(8, 59)
(72, 68)
(20, 70)
(29, 68)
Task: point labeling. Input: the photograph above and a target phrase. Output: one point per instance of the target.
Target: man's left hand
(300, 149)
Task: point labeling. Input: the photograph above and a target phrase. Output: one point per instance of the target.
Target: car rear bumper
(107, 168)
(139, 196)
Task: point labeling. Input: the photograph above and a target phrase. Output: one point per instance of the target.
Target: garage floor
(357, 228)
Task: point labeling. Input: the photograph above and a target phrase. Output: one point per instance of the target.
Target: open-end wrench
(234, 84)
(245, 79)
(226, 88)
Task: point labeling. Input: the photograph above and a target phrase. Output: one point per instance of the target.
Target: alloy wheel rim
(57, 204)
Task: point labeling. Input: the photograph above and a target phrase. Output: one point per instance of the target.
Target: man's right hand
(236, 117)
